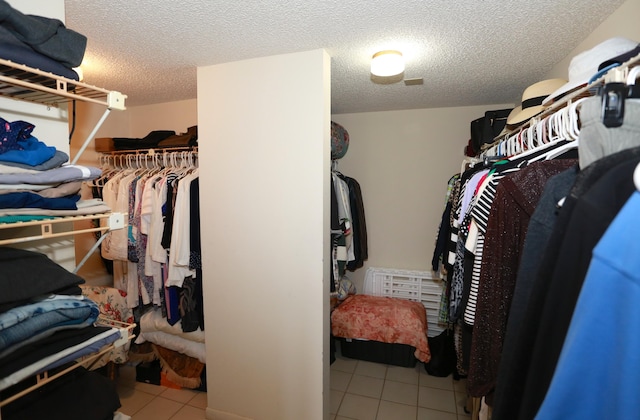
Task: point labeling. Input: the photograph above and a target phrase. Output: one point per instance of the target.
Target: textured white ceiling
(468, 52)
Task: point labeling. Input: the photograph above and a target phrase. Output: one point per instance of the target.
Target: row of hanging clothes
(349, 247)
(539, 248)
(156, 258)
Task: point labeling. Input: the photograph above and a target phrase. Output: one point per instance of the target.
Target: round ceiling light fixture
(387, 63)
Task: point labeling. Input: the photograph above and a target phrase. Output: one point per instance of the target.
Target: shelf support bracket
(91, 135)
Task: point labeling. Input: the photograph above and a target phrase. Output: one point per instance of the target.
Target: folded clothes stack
(36, 179)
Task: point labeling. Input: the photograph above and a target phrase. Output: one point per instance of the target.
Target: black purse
(485, 129)
(443, 355)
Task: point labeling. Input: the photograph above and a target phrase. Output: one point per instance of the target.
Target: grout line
(346, 390)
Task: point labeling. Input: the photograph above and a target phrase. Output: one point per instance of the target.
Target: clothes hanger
(471, 161)
(636, 177)
(531, 135)
(541, 136)
(513, 145)
(547, 125)
(523, 140)
(572, 130)
(564, 122)
(507, 146)
(574, 118)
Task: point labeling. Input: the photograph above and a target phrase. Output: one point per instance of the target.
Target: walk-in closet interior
(224, 211)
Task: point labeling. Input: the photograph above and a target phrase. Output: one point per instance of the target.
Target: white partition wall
(263, 128)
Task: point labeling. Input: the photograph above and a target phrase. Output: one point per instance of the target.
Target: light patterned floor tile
(158, 409)
(199, 401)
(366, 386)
(400, 393)
(339, 380)
(436, 382)
(393, 411)
(358, 407)
(132, 401)
(335, 400)
(428, 414)
(375, 370)
(344, 364)
(460, 385)
(360, 390)
(149, 388)
(179, 395)
(188, 412)
(402, 374)
(437, 399)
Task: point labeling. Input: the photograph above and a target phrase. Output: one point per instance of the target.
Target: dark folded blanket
(44, 35)
(150, 141)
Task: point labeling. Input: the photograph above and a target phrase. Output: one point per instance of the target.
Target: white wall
(622, 22)
(49, 8)
(176, 116)
(402, 161)
(264, 135)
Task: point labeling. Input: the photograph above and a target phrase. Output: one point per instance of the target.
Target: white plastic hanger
(531, 135)
(634, 73)
(636, 177)
(540, 132)
(572, 131)
(574, 118)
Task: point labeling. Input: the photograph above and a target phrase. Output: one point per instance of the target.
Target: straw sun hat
(532, 98)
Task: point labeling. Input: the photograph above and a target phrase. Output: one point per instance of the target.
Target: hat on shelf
(339, 141)
(620, 59)
(532, 99)
(508, 127)
(586, 64)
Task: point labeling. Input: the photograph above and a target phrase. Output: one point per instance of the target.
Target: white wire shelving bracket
(43, 378)
(25, 83)
(21, 82)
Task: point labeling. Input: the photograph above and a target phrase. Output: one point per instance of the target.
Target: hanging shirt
(510, 371)
(180, 249)
(344, 213)
(600, 360)
(590, 217)
(533, 340)
(515, 201)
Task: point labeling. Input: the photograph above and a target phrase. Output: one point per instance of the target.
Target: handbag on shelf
(486, 128)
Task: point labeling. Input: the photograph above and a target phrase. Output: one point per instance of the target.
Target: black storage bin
(148, 372)
(379, 352)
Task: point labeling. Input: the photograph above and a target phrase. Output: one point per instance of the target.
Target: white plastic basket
(419, 286)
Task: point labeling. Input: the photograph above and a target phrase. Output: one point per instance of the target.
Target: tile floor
(152, 402)
(359, 391)
(372, 391)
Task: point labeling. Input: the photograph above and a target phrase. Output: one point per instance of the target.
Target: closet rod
(152, 152)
